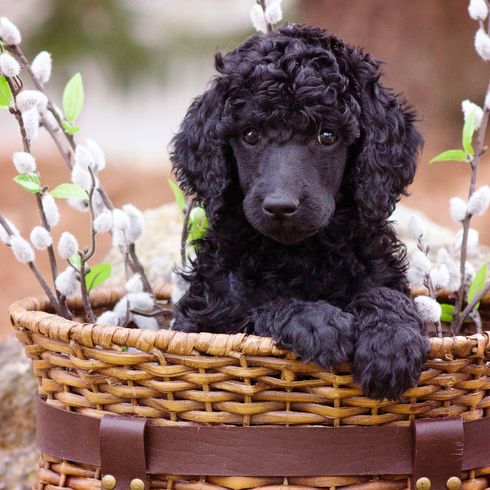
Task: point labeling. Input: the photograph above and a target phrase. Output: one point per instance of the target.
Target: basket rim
(32, 314)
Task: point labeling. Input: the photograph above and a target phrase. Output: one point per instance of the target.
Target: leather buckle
(438, 453)
(122, 453)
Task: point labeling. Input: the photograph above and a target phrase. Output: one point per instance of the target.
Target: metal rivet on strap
(108, 482)
(454, 483)
(137, 484)
(423, 484)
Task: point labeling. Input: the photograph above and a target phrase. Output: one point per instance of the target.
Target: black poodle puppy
(299, 155)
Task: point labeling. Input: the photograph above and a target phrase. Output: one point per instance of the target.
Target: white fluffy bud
(180, 287)
(9, 32)
(41, 66)
(31, 123)
(467, 106)
(50, 209)
(469, 271)
(258, 19)
(420, 262)
(29, 99)
(97, 154)
(479, 201)
(478, 9)
(4, 236)
(120, 228)
(83, 157)
(108, 318)
(24, 162)
(145, 322)
(67, 245)
(81, 177)
(457, 209)
(418, 269)
(41, 238)
(472, 242)
(141, 301)
(273, 11)
(440, 277)
(416, 227)
(482, 44)
(103, 222)
(67, 283)
(136, 222)
(78, 204)
(429, 309)
(22, 249)
(135, 284)
(9, 66)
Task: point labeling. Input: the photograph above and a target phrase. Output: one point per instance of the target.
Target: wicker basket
(187, 379)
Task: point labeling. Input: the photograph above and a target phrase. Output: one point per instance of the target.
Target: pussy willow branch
(428, 283)
(134, 263)
(262, 4)
(457, 317)
(469, 307)
(27, 148)
(85, 299)
(39, 276)
(17, 51)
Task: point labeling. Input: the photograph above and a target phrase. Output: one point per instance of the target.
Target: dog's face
(289, 181)
(295, 126)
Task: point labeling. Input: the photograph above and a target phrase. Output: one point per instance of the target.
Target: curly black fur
(325, 280)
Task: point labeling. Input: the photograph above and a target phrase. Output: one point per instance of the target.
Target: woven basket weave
(178, 378)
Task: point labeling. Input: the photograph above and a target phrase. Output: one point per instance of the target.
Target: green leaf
(73, 97)
(477, 284)
(178, 194)
(97, 275)
(30, 182)
(5, 93)
(450, 155)
(198, 223)
(69, 127)
(67, 191)
(468, 130)
(447, 313)
(75, 261)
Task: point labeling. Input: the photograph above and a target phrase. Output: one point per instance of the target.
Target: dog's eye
(327, 137)
(251, 136)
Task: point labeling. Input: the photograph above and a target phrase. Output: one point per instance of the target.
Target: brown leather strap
(257, 451)
(122, 450)
(438, 450)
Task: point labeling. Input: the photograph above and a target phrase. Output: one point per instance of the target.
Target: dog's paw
(388, 361)
(316, 331)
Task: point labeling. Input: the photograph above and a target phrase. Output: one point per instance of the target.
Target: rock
(18, 453)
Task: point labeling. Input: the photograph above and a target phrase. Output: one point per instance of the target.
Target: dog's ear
(385, 156)
(198, 154)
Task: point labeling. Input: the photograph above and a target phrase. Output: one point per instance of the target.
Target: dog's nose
(280, 206)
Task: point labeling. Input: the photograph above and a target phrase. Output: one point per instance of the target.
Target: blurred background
(142, 62)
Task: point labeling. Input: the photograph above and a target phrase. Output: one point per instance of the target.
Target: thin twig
(85, 299)
(263, 5)
(35, 270)
(471, 305)
(457, 323)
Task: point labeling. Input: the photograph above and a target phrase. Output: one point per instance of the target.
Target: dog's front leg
(390, 347)
(316, 331)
